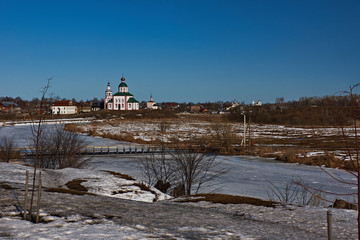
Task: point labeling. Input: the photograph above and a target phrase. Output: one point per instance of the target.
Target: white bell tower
(108, 95)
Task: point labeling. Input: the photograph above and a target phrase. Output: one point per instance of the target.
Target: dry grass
(6, 186)
(70, 191)
(13, 156)
(121, 175)
(71, 127)
(127, 137)
(76, 185)
(298, 155)
(120, 192)
(227, 199)
(204, 117)
(144, 187)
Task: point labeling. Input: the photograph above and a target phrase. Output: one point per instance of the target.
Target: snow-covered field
(113, 216)
(311, 140)
(68, 216)
(148, 129)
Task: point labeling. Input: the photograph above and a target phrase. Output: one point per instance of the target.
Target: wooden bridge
(104, 150)
(99, 150)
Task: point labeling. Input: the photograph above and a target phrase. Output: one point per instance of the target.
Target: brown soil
(70, 191)
(6, 186)
(76, 185)
(121, 175)
(227, 199)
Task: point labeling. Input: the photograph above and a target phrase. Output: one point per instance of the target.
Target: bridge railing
(98, 150)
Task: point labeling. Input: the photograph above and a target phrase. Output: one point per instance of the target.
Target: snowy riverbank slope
(103, 216)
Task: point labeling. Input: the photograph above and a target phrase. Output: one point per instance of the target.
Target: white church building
(122, 100)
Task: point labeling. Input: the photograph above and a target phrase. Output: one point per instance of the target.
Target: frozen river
(247, 176)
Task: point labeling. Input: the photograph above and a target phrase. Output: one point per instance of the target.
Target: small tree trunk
(32, 194)
(26, 193)
(38, 200)
(329, 224)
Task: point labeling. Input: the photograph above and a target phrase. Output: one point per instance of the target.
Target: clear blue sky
(185, 51)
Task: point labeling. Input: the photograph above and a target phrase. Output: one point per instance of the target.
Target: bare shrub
(195, 168)
(164, 126)
(223, 137)
(60, 149)
(178, 191)
(159, 170)
(293, 193)
(7, 146)
(181, 170)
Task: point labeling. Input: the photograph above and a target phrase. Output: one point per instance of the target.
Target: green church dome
(123, 84)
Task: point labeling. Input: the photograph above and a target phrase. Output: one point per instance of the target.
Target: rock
(339, 203)
(163, 187)
(178, 191)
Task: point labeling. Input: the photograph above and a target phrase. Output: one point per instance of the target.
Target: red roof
(63, 103)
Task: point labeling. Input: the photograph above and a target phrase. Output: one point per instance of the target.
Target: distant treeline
(319, 111)
(23, 103)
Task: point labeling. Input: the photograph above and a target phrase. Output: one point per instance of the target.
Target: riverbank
(320, 146)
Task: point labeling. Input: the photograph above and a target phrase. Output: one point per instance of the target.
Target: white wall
(64, 109)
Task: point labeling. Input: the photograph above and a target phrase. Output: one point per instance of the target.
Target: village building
(234, 104)
(258, 103)
(95, 106)
(84, 109)
(9, 107)
(63, 107)
(92, 107)
(196, 108)
(169, 106)
(122, 100)
(152, 104)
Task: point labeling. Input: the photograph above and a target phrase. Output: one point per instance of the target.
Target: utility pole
(249, 128)
(244, 134)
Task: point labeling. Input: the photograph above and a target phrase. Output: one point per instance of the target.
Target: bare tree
(7, 146)
(60, 149)
(223, 136)
(351, 165)
(37, 129)
(181, 170)
(195, 168)
(159, 170)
